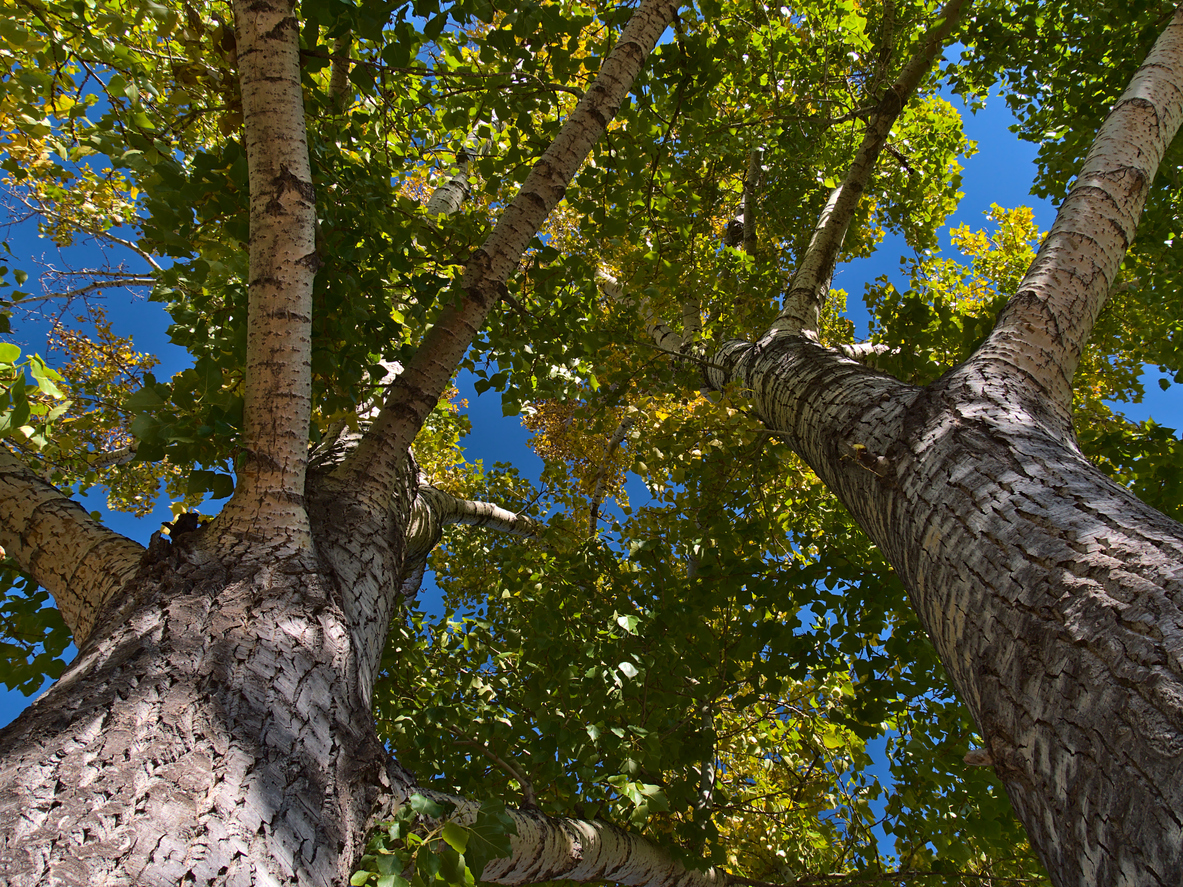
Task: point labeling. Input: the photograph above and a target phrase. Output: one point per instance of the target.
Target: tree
(218, 722)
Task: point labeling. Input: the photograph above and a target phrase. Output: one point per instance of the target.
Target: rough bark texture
(1053, 596)
(55, 540)
(366, 551)
(549, 848)
(268, 498)
(212, 731)
(215, 727)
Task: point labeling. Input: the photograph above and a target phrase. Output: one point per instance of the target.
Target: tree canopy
(731, 669)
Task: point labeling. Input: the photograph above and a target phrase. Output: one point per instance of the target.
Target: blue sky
(1000, 173)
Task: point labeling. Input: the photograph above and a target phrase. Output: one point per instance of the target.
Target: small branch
(614, 442)
(548, 848)
(901, 159)
(529, 799)
(664, 337)
(39, 208)
(339, 72)
(450, 196)
(862, 350)
(120, 456)
(856, 114)
(751, 188)
(807, 292)
(434, 509)
(111, 283)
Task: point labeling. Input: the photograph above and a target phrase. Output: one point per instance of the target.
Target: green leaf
(488, 837)
(46, 378)
(456, 836)
(426, 807)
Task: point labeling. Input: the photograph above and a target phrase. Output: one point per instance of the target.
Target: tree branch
(549, 848)
(861, 350)
(373, 467)
(339, 71)
(529, 799)
(807, 291)
(664, 337)
(78, 560)
(268, 501)
(1042, 331)
(38, 207)
(614, 442)
(751, 187)
(434, 509)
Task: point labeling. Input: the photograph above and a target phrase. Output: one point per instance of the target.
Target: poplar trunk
(212, 729)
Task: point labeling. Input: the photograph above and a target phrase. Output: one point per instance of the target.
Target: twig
(529, 799)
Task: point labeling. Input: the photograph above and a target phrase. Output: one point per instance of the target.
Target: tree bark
(212, 731)
(548, 848)
(1053, 596)
(374, 465)
(58, 543)
(267, 510)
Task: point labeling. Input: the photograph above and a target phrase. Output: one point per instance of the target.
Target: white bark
(78, 560)
(374, 465)
(807, 291)
(1042, 331)
(551, 848)
(435, 509)
(450, 196)
(1054, 597)
(610, 448)
(663, 337)
(267, 511)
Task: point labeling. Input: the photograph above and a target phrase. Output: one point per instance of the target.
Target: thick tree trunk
(1053, 596)
(213, 730)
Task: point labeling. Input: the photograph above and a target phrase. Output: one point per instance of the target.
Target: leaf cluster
(425, 844)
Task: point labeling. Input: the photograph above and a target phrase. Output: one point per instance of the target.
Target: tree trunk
(212, 730)
(1052, 595)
